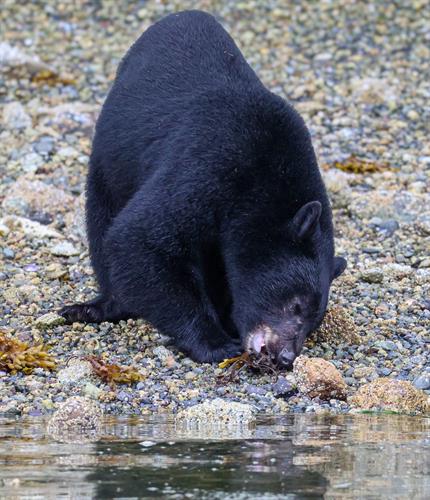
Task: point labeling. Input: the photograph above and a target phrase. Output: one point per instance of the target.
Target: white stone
(15, 116)
(64, 249)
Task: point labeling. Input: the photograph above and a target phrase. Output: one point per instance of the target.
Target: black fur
(206, 211)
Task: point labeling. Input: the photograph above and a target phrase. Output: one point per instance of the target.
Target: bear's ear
(306, 219)
(339, 266)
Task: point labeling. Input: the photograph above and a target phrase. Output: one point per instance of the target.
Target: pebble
(372, 276)
(282, 387)
(49, 320)
(44, 145)
(64, 249)
(15, 116)
(422, 382)
(253, 389)
(77, 370)
(8, 253)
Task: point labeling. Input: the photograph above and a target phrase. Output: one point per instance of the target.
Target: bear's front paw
(82, 313)
(205, 354)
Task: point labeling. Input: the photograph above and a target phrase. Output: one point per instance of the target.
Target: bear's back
(184, 53)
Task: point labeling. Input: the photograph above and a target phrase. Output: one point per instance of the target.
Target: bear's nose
(286, 358)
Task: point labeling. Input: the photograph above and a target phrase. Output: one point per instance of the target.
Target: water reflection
(295, 456)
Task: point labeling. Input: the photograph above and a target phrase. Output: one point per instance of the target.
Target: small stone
(55, 271)
(163, 354)
(123, 396)
(373, 91)
(75, 371)
(391, 395)
(372, 275)
(8, 253)
(387, 227)
(336, 181)
(49, 320)
(385, 371)
(142, 13)
(30, 228)
(422, 382)
(363, 372)
(31, 162)
(44, 145)
(4, 229)
(316, 377)
(15, 116)
(64, 249)
(387, 345)
(14, 57)
(147, 444)
(48, 404)
(282, 387)
(254, 389)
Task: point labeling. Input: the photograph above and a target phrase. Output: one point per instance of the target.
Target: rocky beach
(359, 74)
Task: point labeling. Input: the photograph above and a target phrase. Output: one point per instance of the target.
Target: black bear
(206, 211)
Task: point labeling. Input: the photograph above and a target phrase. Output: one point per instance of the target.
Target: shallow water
(295, 456)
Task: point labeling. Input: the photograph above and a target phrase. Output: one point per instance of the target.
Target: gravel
(359, 75)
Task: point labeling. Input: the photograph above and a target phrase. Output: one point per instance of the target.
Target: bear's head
(290, 297)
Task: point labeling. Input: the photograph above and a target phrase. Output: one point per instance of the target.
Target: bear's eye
(297, 310)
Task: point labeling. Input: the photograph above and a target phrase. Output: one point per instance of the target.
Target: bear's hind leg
(100, 213)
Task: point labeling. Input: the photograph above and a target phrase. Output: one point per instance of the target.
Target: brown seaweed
(18, 356)
(262, 363)
(112, 373)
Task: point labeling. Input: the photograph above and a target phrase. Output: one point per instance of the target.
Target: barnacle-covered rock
(77, 419)
(218, 410)
(49, 320)
(385, 394)
(317, 378)
(336, 328)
